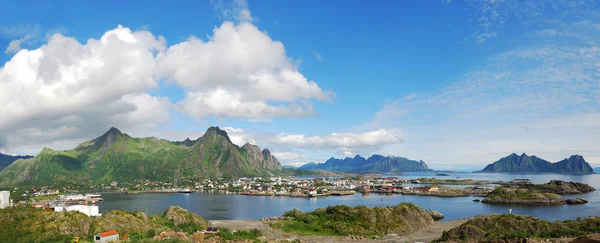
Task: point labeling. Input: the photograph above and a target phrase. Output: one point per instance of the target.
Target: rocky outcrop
(591, 238)
(126, 222)
(361, 221)
(165, 235)
(538, 194)
(564, 188)
(523, 197)
(571, 201)
(435, 215)
(181, 216)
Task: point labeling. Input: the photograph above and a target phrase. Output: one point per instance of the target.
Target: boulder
(165, 235)
(198, 237)
(181, 216)
(571, 201)
(435, 215)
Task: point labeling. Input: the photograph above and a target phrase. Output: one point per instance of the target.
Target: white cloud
(236, 10)
(239, 72)
(67, 90)
(344, 142)
(292, 158)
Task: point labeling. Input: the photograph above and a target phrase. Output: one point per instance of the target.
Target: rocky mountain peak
(216, 131)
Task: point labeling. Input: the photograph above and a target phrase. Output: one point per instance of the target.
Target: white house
(4, 199)
(85, 209)
(108, 236)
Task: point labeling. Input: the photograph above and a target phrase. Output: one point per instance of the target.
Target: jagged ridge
(523, 163)
(375, 163)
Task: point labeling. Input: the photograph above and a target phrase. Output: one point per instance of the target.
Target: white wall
(110, 238)
(87, 210)
(4, 199)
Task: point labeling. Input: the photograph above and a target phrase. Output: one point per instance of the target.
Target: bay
(217, 205)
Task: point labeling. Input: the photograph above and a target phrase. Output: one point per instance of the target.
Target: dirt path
(423, 235)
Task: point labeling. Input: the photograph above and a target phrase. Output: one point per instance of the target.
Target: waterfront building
(85, 209)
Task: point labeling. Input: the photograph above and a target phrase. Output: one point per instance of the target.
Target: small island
(537, 194)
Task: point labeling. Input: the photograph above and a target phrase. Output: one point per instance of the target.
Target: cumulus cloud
(344, 142)
(239, 72)
(66, 89)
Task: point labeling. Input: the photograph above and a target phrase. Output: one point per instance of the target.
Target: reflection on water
(219, 205)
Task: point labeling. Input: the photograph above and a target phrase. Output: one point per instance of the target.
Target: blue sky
(456, 84)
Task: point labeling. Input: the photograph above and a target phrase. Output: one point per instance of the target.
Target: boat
(187, 190)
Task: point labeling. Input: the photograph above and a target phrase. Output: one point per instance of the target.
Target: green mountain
(375, 163)
(116, 156)
(531, 164)
(6, 160)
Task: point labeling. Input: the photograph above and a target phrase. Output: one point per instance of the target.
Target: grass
(227, 234)
(342, 220)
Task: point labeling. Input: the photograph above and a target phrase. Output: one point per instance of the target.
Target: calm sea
(215, 205)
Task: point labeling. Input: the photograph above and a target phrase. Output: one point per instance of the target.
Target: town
(85, 198)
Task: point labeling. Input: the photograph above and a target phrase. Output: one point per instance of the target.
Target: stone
(572, 201)
(435, 215)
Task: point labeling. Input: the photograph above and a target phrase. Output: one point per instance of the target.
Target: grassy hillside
(342, 220)
(115, 156)
(510, 226)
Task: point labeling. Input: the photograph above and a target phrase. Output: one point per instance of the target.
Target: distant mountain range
(597, 170)
(531, 164)
(6, 160)
(116, 156)
(375, 163)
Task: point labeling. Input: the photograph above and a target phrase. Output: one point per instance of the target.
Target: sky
(457, 84)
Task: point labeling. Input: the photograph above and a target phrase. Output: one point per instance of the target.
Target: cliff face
(375, 163)
(532, 164)
(115, 156)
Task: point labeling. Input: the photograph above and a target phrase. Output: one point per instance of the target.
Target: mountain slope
(120, 157)
(375, 163)
(532, 164)
(6, 160)
(597, 169)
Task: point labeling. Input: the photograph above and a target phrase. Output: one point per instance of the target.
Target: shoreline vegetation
(405, 222)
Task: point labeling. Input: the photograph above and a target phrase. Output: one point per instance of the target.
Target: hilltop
(6, 160)
(375, 163)
(531, 164)
(116, 156)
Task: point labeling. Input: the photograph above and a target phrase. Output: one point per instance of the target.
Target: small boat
(187, 190)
